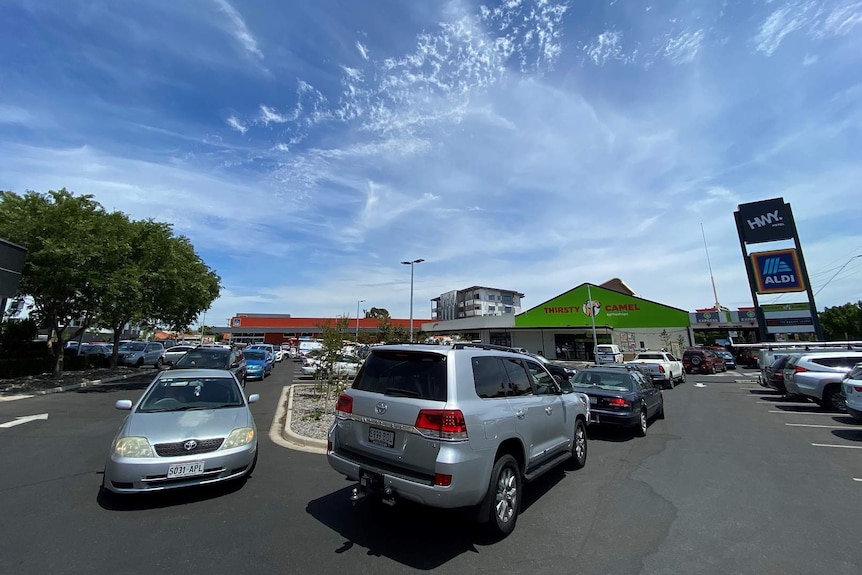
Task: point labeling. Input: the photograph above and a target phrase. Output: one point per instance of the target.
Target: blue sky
(306, 148)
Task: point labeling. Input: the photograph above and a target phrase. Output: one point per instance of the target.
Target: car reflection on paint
(190, 427)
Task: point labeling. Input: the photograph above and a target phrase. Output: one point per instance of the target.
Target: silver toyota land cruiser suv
(459, 426)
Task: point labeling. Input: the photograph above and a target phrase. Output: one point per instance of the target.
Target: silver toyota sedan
(190, 427)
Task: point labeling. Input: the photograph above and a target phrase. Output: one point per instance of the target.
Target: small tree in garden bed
(327, 381)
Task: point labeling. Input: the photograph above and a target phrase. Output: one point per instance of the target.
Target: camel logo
(591, 307)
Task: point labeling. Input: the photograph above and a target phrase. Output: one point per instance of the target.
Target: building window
(508, 299)
(492, 308)
(507, 309)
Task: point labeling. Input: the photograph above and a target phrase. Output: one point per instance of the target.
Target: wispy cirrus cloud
(238, 29)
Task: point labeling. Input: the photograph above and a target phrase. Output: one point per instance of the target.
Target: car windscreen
(610, 381)
(185, 393)
(135, 346)
(255, 354)
(404, 374)
(204, 359)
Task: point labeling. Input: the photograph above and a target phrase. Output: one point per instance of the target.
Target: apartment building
(475, 301)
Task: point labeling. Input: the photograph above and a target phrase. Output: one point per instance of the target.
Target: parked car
(455, 427)
(773, 377)
(258, 366)
(702, 360)
(344, 365)
(141, 353)
(729, 360)
(103, 350)
(852, 390)
(172, 354)
(623, 397)
(270, 350)
(662, 367)
(818, 375)
(227, 358)
(608, 353)
(159, 446)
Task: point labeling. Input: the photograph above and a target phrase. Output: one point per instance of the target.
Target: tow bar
(360, 491)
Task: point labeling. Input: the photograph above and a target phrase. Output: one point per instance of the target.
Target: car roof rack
(488, 346)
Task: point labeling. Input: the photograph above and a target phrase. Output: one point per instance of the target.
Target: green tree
(665, 339)
(842, 322)
(332, 336)
(156, 279)
(66, 267)
(384, 328)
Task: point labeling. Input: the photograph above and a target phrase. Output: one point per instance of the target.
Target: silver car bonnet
(170, 426)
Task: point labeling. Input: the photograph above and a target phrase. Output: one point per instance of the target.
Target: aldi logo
(777, 271)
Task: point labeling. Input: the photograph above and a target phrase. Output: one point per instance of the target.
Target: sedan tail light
(799, 369)
(619, 402)
(857, 388)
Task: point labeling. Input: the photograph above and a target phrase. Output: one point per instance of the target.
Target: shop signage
(766, 221)
(777, 271)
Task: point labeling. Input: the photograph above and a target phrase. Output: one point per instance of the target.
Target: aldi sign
(777, 271)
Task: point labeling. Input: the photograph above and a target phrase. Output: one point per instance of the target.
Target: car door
(650, 393)
(152, 353)
(545, 386)
(532, 422)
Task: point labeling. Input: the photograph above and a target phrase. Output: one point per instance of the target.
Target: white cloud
(239, 30)
(781, 23)
(809, 59)
(235, 123)
(363, 51)
(606, 46)
(683, 48)
(270, 115)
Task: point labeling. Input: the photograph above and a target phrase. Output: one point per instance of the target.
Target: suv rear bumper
(469, 480)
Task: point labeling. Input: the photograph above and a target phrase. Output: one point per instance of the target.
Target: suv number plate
(377, 436)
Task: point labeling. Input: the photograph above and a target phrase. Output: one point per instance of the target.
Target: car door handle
(520, 413)
(549, 410)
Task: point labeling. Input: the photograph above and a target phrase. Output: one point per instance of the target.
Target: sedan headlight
(133, 447)
(239, 437)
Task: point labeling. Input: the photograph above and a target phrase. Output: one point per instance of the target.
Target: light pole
(411, 264)
(357, 320)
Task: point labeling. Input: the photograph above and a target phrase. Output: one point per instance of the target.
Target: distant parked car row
(828, 377)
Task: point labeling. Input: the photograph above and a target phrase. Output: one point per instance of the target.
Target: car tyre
(140, 363)
(833, 400)
(579, 446)
(696, 360)
(641, 429)
(160, 362)
(504, 496)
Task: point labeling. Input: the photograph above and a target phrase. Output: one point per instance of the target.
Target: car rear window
(616, 381)
(405, 374)
(204, 359)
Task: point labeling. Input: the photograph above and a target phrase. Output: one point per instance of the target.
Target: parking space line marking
(15, 397)
(788, 403)
(813, 425)
(802, 412)
(833, 445)
(857, 479)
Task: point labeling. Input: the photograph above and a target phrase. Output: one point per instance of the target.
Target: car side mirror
(123, 404)
(253, 398)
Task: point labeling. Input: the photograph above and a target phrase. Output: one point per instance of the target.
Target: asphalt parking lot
(734, 480)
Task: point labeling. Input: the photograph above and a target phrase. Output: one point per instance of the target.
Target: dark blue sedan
(620, 396)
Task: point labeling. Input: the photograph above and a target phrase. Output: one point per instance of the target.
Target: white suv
(459, 426)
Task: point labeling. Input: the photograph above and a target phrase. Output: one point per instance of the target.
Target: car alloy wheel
(579, 453)
(505, 496)
(642, 423)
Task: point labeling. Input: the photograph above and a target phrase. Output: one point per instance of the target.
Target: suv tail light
(799, 369)
(661, 369)
(442, 424)
(344, 405)
(857, 388)
(618, 402)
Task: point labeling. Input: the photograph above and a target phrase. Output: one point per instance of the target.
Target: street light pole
(411, 264)
(357, 320)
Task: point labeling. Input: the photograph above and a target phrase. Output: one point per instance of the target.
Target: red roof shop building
(280, 329)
